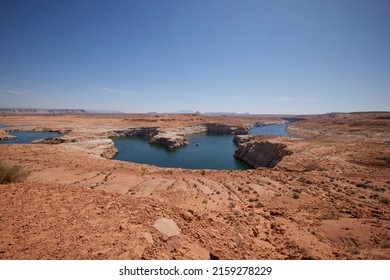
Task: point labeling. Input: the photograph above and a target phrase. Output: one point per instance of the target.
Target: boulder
(167, 228)
(170, 231)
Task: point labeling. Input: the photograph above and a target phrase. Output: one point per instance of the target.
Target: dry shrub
(10, 173)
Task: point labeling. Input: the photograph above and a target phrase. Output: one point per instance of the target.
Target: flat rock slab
(167, 227)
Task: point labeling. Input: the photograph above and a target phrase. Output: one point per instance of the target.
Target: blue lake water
(214, 151)
(26, 137)
(274, 129)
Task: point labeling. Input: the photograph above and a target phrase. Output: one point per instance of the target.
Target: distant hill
(185, 112)
(220, 113)
(104, 112)
(41, 111)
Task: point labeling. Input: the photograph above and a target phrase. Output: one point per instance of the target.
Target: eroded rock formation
(177, 137)
(169, 140)
(262, 154)
(241, 139)
(100, 147)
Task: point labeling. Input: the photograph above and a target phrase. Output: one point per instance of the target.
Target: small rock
(187, 216)
(173, 242)
(167, 227)
(148, 237)
(198, 252)
(255, 232)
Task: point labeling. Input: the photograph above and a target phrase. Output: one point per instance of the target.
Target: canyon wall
(261, 154)
(226, 129)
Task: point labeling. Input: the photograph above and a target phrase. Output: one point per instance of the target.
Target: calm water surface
(26, 137)
(214, 151)
(274, 129)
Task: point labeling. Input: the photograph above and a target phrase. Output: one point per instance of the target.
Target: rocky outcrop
(191, 129)
(241, 139)
(262, 154)
(5, 136)
(54, 140)
(100, 147)
(169, 140)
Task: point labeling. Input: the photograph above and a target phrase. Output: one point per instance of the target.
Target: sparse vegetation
(238, 228)
(296, 194)
(385, 159)
(94, 186)
(384, 201)
(259, 205)
(374, 195)
(10, 173)
(361, 185)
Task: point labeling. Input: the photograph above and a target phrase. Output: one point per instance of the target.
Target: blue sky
(257, 56)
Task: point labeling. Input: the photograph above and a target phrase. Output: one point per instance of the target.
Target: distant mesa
(55, 111)
(104, 112)
(220, 113)
(41, 111)
(186, 112)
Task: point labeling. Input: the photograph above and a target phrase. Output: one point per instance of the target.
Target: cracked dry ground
(313, 205)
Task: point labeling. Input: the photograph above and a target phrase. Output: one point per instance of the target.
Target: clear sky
(257, 56)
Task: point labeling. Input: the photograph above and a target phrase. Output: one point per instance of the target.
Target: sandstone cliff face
(226, 129)
(142, 131)
(262, 154)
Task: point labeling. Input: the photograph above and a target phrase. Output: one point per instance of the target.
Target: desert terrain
(326, 196)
